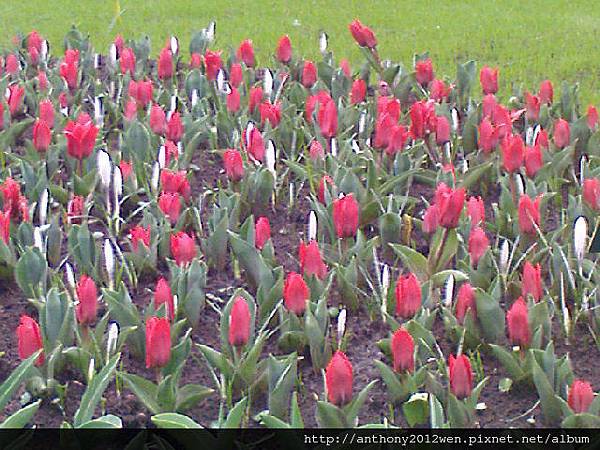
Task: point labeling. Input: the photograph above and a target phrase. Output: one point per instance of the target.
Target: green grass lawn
(529, 40)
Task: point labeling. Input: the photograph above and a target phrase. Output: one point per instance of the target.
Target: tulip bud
(312, 226)
(476, 210)
(109, 261)
(262, 232)
(311, 262)
(234, 166)
(478, 244)
(504, 254)
(532, 281)
(408, 296)
(309, 74)
(183, 248)
(533, 160)
(345, 216)
(424, 72)
(104, 167)
(363, 35)
(358, 92)
(580, 396)
(246, 53)
(403, 351)
(562, 133)
(591, 193)
(323, 42)
(338, 379)
(270, 158)
(295, 293)
(529, 214)
(29, 339)
(512, 153)
(546, 92)
(341, 325)
(449, 203)
(158, 342)
(87, 296)
(165, 64)
(461, 376)
(488, 78)
(113, 337)
(164, 296)
(42, 136)
(449, 291)
(239, 323)
(465, 301)
(517, 319)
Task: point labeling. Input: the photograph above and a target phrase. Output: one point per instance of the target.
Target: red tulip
(126, 169)
(488, 78)
(262, 232)
(42, 136)
(338, 379)
(397, 140)
(165, 64)
(345, 66)
(449, 203)
(87, 295)
(12, 64)
(254, 98)
(529, 214)
(542, 139)
(513, 151)
(422, 119)
(461, 376)
(562, 133)
(295, 293)
(46, 112)
(518, 323)
(502, 121)
(141, 91)
(158, 120)
(546, 92)
(532, 104)
(358, 92)
(16, 94)
(311, 262)
(183, 248)
(478, 244)
(384, 127)
(130, 112)
(234, 166)
(127, 61)
(175, 127)
(164, 296)
(233, 100)
(321, 98)
(34, 56)
(326, 179)
(139, 234)
(212, 64)
(69, 68)
(309, 74)
(34, 40)
(442, 130)
(363, 35)
(533, 160)
(532, 281)
(580, 396)
(316, 150)
(465, 301)
(236, 75)
(430, 219)
(158, 342)
(75, 209)
(239, 323)
(175, 182)
(81, 138)
(403, 351)
(42, 80)
(389, 106)
(256, 147)
(592, 118)
(328, 119)
(345, 216)
(5, 226)
(119, 42)
(11, 192)
(172, 151)
(170, 204)
(476, 210)
(591, 193)
(424, 72)
(438, 90)
(196, 60)
(284, 49)
(246, 53)
(29, 339)
(488, 136)
(408, 296)
(270, 112)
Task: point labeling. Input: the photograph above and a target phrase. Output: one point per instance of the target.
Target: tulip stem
(439, 250)
(513, 189)
(158, 376)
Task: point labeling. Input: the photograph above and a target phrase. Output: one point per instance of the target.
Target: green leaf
(190, 395)
(282, 376)
(416, 411)
(235, 416)
(22, 417)
(94, 391)
(12, 383)
(550, 406)
(458, 415)
(353, 408)
(584, 420)
(397, 390)
(490, 315)
(145, 390)
(174, 420)
(108, 421)
(295, 414)
(436, 412)
(508, 361)
(330, 416)
(415, 261)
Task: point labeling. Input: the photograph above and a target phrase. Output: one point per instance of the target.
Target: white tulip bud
(268, 83)
(38, 241)
(270, 158)
(91, 369)
(580, 236)
(504, 251)
(455, 120)
(194, 97)
(210, 31)
(45, 50)
(362, 122)
(334, 149)
(174, 45)
(312, 226)
(99, 110)
(113, 54)
(341, 325)
(113, 337)
(323, 42)
(155, 176)
(104, 168)
(43, 206)
(70, 275)
(109, 262)
(221, 80)
(449, 291)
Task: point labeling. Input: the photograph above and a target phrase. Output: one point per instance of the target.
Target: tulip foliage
(271, 225)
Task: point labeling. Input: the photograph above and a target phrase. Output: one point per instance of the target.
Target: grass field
(529, 41)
